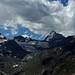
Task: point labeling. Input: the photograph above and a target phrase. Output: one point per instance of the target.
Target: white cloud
(14, 31)
(26, 32)
(40, 16)
(6, 34)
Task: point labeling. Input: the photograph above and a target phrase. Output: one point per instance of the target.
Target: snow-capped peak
(53, 36)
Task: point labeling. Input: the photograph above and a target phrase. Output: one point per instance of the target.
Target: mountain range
(55, 55)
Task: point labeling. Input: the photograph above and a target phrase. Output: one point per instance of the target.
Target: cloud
(40, 17)
(6, 34)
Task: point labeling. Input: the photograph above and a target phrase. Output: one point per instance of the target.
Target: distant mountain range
(19, 46)
(37, 55)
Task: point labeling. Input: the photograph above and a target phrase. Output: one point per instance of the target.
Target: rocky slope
(58, 61)
(57, 57)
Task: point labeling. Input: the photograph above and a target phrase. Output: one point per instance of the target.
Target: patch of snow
(2, 40)
(15, 65)
(1, 36)
(43, 44)
(25, 35)
(33, 43)
(29, 57)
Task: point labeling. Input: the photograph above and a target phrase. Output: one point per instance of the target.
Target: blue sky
(62, 1)
(21, 31)
(35, 18)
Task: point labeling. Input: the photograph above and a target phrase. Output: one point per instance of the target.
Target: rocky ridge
(27, 56)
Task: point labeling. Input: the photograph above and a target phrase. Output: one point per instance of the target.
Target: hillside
(58, 61)
(55, 55)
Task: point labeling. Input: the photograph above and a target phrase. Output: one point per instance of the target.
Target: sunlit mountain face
(35, 19)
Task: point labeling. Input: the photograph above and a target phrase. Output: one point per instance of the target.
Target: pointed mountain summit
(54, 36)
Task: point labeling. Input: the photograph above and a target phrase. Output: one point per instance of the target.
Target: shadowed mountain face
(26, 56)
(58, 61)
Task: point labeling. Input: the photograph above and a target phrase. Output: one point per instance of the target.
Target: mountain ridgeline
(55, 55)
